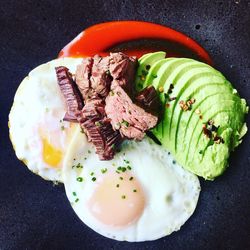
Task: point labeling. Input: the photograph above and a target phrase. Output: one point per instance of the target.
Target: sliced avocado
(142, 57)
(152, 73)
(181, 130)
(145, 63)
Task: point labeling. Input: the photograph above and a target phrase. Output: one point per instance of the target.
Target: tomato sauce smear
(133, 38)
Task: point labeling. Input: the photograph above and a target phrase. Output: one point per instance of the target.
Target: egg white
(171, 192)
(37, 110)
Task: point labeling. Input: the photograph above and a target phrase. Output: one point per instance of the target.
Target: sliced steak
(122, 69)
(98, 129)
(100, 78)
(83, 73)
(106, 85)
(129, 118)
(149, 100)
(93, 78)
(70, 92)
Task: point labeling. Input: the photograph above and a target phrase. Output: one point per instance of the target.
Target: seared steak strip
(93, 78)
(106, 85)
(130, 119)
(100, 78)
(70, 92)
(122, 69)
(83, 73)
(98, 129)
(149, 100)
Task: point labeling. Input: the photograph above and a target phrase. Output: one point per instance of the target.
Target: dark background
(36, 215)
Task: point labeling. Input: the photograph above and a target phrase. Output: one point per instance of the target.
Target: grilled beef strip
(70, 92)
(98, 129)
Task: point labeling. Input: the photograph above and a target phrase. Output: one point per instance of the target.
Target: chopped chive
(129, 168)
(104, 170)
(80, 179)
(131, 178)
(74, 193)
(98, 124)
(79, 165)
(76, 200)
(134, 190)
(126, 161)
(117, 185)
(125, 123)
(124, 169)
(73, 166)
(123, 196)
(117, 172)
(93, 179)
(121, 178)
(89, 151)
(62, 127)
(92, 173)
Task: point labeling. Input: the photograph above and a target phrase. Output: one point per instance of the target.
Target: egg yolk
(51, 155)
(118, 200)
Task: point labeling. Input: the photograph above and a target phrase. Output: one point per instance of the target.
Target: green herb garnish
(125, 123)
(104, 170)
(98, 124)
(79, 165)
(79, 179)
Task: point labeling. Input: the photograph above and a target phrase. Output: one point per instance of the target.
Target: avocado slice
(145, 63)
(211, 98)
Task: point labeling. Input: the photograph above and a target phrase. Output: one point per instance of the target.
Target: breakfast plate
(185, 46)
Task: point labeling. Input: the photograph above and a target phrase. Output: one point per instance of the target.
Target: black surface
(36, 215)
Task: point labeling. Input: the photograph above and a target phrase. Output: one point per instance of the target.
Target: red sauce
(100, 38)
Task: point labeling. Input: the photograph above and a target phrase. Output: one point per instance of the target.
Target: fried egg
(140, 195)
(37, 131)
